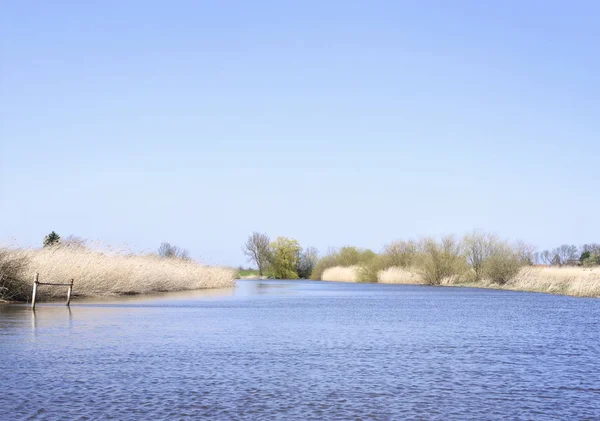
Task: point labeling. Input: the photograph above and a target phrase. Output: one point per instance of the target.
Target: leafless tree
(527, 253)
(566, 253)
(478, 247)
(548, 257)
(257, 250)
(173, 252)
(401, 253)
(592, 248)
(74, 242)
(306, 263)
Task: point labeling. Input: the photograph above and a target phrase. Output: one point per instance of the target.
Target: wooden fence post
(69, 294)
(35, 285)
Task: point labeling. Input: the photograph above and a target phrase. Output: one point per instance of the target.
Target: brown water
(304, 350)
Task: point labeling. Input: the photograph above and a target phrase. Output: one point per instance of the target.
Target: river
(303, 350)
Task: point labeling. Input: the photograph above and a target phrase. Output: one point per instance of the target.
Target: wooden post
(69, 294)
(35, 285)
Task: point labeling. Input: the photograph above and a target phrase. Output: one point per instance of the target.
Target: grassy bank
(102, 273)
(248, 274)
(575, 281)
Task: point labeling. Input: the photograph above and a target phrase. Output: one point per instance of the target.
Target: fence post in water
(69, 294)
(35, 285)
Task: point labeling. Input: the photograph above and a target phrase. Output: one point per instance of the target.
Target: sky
(335, 123)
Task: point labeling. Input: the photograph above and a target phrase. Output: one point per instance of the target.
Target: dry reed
(108, 273)
(575, 281)
(398, 275)
(340, 274)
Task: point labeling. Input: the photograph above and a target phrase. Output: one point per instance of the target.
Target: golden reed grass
(340, 274)
(98, 273)
(575, 281)
(398, 275)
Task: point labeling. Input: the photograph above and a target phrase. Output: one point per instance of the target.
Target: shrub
(400, 253)
(344, 257)
(369, 271)
(502, 265)
(441, 260)
(169, 251)
(591, 260)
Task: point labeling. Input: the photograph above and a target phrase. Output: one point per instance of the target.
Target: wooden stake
(69, 294)
(35, 285)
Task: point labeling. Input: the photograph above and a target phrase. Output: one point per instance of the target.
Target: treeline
(474, 257)
(586, 255)
(282, 258)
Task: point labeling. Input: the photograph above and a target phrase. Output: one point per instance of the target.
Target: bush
(440, 261)
(346, 256)
(591, 260)
(400, 254)
(369, 271)
(169, 251)
(502, 265)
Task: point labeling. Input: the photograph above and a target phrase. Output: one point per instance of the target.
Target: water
(304, 350)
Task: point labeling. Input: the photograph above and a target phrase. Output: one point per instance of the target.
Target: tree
(441, 261)
(307, 262)
(400, 253)
(548, 257)
(284, 258)
(566, 253)
(257, 250)
(51, 239)
(74, 242)
(169, 251)
(527, 253)
(478, 247)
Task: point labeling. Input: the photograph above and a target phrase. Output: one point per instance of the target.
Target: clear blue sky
(332, 122)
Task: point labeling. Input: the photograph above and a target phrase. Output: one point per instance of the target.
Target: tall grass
(399, 275)
(577, 281)
(340, 274)
(109, 273)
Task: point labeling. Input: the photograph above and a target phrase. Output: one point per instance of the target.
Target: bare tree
(257, 250)
(566, 253)
(308, 260)
(478, 247)
(173, 252)
(74, 242)
(592, 248)
(548, 257)
(527, 253)
(401, 253)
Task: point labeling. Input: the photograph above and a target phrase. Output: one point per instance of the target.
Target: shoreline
(567, 281)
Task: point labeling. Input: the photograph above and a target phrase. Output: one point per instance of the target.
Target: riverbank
(101, 273)
(574, 281)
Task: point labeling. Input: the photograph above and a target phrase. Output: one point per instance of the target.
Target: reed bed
(341, 274)
(398, 275)
(574, 281)
(98, 273)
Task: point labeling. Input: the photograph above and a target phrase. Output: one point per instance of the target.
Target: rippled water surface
(304, 351)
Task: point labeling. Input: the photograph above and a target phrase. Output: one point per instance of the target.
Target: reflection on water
(304, 350)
